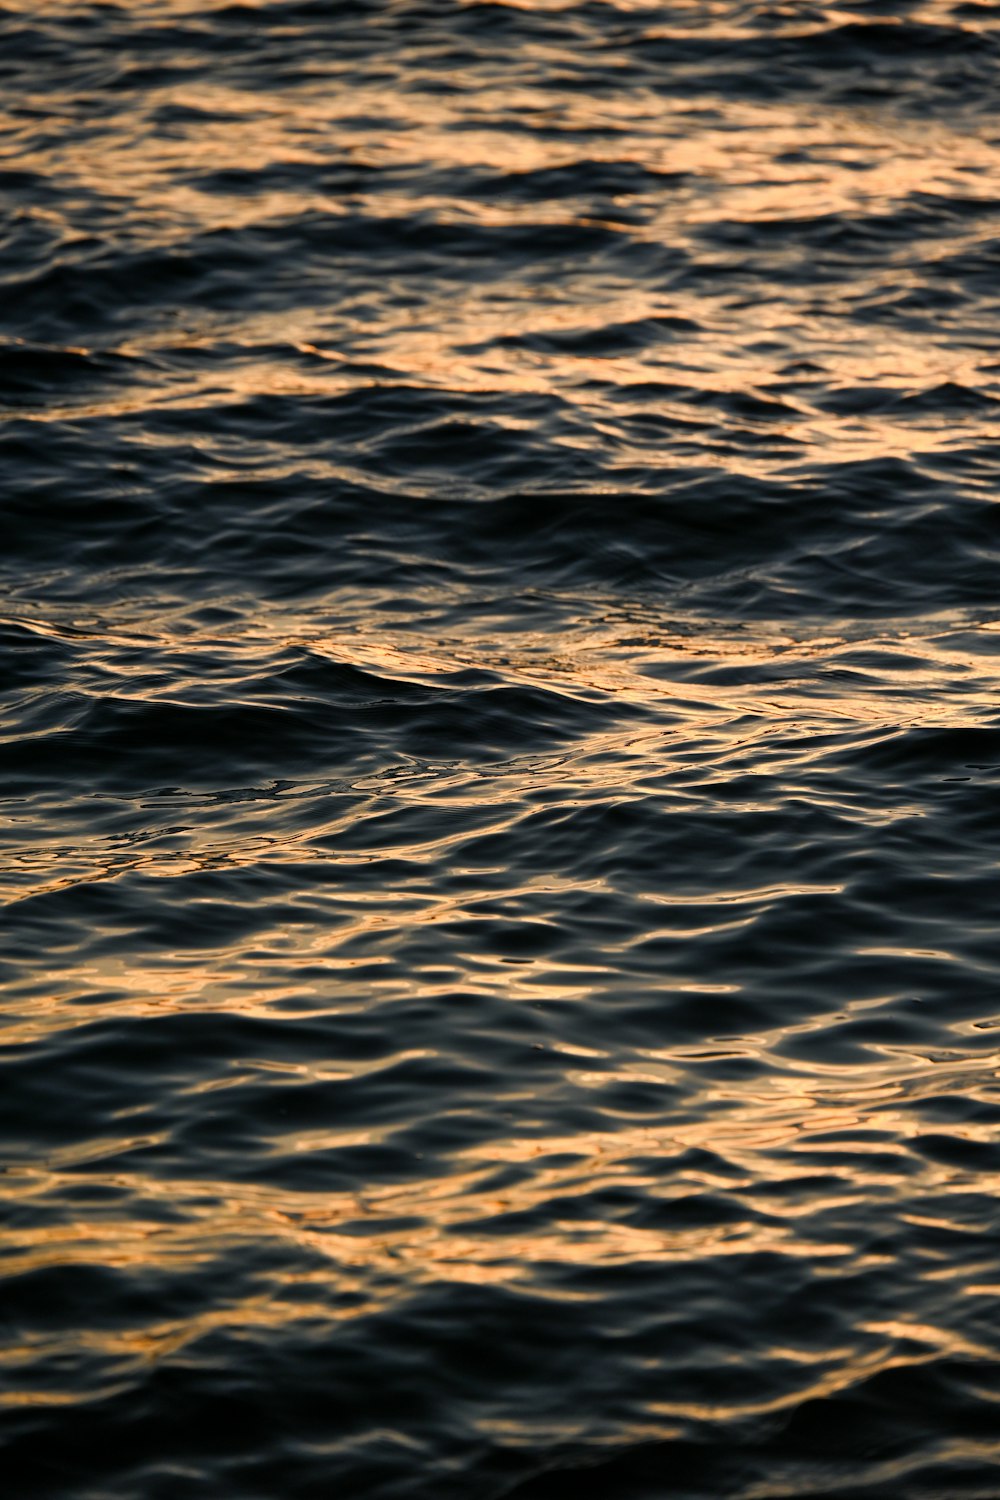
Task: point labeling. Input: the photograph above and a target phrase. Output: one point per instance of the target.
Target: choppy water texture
(500, 750)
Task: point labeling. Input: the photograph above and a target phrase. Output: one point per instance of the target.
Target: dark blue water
(500, 751)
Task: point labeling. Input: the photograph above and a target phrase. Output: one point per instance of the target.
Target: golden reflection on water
(938, 674)
(724, 161)
(762, 165)
(384, 1240)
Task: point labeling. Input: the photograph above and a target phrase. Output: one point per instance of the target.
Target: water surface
(501, 750)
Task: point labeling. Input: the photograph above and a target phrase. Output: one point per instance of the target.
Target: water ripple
(499, 749)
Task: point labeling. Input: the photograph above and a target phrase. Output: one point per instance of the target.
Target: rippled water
(501, 750)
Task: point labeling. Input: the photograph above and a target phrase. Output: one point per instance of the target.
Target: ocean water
(500, 751)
